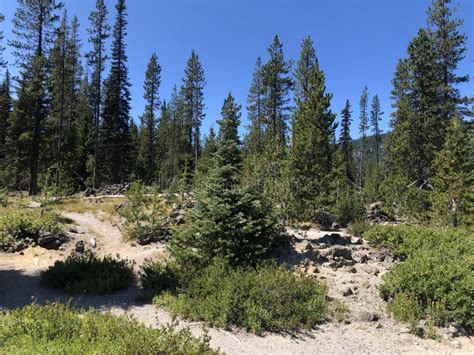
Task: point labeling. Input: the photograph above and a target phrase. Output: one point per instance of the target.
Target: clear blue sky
(358, 42)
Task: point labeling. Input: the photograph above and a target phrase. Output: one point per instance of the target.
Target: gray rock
(347, 292)
(121, 205)
(357, 240)
(80, 247)
(93, 242)
(335, 239)
(365, 316)
(342, 252)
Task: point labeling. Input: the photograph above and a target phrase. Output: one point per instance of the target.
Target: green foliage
(58, 329)
(156, 276)
(86, 273)
(406, 308)
(338, 310)
(267, 298)
(24, 227)
(358, 228)
(227, 220)
(437, 272)
(348, 207)
(3, 199)
(146, 215)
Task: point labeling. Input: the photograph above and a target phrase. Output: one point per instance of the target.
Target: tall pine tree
(313, 126)
(149, 120)
(115, 129)
(98, 33)
(363, 128)
(375, 118)
(34, 24)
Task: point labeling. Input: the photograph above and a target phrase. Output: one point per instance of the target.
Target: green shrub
(23, 227)
(358, 228)
(3, 199)
(437, 271)
(348, 207)
(146, 215)
(58, 329)
(86, 273)
(156, 276)
(265, 298)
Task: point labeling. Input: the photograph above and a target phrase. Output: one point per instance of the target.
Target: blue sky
(358, 42)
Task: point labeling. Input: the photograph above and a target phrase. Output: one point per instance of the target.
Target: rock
(335, 226)
(365, 316)
(121, 205)
(93, 242)
(356, 240)
(335, 239)
(347, 292)
(73, 230)
(378, 325)
(363, 259)
(80, 247)
(456, 344)
(50, 241)
(368, 269)
(388, 259)
(376, 271)
(307, 246)
(342, 252)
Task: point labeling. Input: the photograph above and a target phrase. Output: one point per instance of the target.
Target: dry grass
(103, 208)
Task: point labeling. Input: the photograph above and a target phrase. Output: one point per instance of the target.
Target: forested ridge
(65, 123)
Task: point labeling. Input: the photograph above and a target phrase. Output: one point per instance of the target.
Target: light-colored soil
(20, 285)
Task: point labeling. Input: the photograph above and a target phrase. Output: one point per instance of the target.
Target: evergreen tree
(313, 126)
(5, 114)
(453, 181)
(34, 24)
(412, 143)
(115, 129)
(375, 118)
(85, 131)
(147, 144)
(98, 33)
(192, 94)
(256, 114)
(345, 144)
(363, 128)
(227, 221)
(206, 160)
(277, 84)
(2, 62)
(450, 46)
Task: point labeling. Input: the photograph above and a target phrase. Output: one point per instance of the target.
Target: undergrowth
(265, 298)
(86, 273)
(58, 329)
(436, 280)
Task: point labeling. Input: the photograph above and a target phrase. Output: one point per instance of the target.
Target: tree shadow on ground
(18, 289)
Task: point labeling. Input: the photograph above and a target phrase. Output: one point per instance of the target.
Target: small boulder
(80, 247)
(365, 316)
(342, 252)
(121, 205)
(347, 292)
(93, 242)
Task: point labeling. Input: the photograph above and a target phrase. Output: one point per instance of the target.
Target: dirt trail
(368, 329)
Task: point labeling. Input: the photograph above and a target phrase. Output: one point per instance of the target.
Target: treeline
(65, 123)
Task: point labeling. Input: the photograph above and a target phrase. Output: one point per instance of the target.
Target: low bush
(265, 298)
(147, 215)
(86, 273)
(58, 329)
(156, 276)
(437, 274)
(358, 228)
(20, 228)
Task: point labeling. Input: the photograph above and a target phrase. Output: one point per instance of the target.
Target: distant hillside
(356, 143)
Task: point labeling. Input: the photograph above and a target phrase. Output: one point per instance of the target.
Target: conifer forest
(286, 215)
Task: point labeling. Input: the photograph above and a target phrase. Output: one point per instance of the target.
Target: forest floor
(367, 328)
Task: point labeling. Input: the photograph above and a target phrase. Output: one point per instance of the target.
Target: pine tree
(363, 128)
(313, 126)
(227, 221)
(85, 131)
(345, 144)
(34, 25)
(206, 160)
(412, 143)
(147, 144)
(5, 114)
(277, 85)
(115, 129)
(98, 33)
(453, 181)
(375, 118)
(2, 61)
(255, 109)
(450, 46)
(192, 93)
